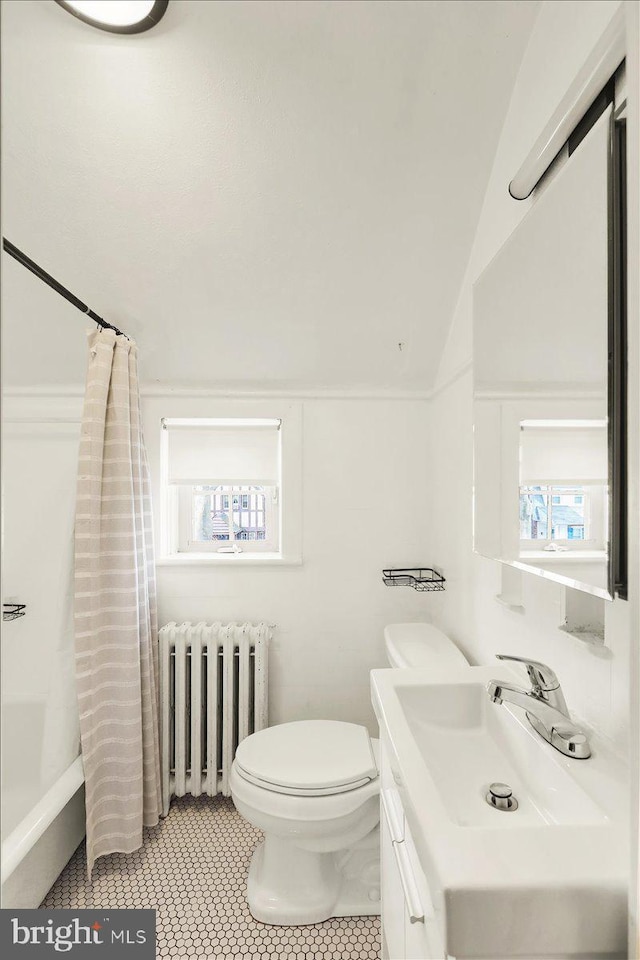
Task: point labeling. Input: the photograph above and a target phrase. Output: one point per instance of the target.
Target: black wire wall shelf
(11, 611)
(420, 578)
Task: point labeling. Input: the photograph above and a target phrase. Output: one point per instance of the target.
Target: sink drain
(501, 797)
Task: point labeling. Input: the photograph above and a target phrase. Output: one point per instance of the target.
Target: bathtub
(42, 824)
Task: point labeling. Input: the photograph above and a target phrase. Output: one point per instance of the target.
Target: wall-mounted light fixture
(117, 16)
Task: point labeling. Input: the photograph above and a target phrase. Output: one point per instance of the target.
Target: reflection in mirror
(541, 450)
(563, 507)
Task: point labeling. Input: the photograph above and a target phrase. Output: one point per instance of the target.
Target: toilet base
(290, 886)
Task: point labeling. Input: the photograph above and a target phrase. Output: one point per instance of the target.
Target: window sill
(228, 559)
(572, 555)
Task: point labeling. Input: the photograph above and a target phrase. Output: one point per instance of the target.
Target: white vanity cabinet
(409, 928)
(549, 880)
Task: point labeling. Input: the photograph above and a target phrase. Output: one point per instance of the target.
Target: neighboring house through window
(575, 516)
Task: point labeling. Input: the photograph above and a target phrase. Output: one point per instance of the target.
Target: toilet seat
(311, 758)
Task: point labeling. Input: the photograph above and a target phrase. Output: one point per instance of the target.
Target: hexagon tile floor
(192, 870)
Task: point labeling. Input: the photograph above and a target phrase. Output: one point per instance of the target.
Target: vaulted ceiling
(269, 194)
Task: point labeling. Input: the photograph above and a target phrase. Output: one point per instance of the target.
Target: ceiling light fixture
(117, 16)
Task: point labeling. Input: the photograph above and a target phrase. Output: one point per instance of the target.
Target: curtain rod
(22, 258)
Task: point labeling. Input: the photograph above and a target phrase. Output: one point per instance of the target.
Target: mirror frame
(617, 386)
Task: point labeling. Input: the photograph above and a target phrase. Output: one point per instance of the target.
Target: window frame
(160, 405)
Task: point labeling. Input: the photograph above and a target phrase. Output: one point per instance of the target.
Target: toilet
(312, 787)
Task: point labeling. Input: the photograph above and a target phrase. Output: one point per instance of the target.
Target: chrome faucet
(545, 707)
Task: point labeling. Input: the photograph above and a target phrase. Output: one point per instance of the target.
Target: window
(552, 513)
(202, 445)
(563, 485)
(222, 485)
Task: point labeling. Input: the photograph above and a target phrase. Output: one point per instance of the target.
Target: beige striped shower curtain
(115, 607)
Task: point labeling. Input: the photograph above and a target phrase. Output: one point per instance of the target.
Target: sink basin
(548, 880)
(467, 742)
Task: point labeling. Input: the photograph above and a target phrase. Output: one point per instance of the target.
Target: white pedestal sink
(548, 880)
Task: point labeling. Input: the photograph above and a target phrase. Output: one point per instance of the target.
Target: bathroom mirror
(542, 406)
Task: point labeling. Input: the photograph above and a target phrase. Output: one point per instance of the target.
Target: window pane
(215, 506)
(566, 517)
(533, 514)
(202, 526)
(566, 507)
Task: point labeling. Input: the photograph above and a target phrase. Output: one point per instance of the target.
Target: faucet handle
(542, 676)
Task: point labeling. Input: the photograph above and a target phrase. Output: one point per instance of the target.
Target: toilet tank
(420, 645)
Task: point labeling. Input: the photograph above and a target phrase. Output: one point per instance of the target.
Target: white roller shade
(564, 454)
(241, 453)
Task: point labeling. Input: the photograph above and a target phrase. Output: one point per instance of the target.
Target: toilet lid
(312, 757)
(421, 645)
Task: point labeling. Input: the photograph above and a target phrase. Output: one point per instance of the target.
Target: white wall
(39, 464)
(595, 679)
(330, 611)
